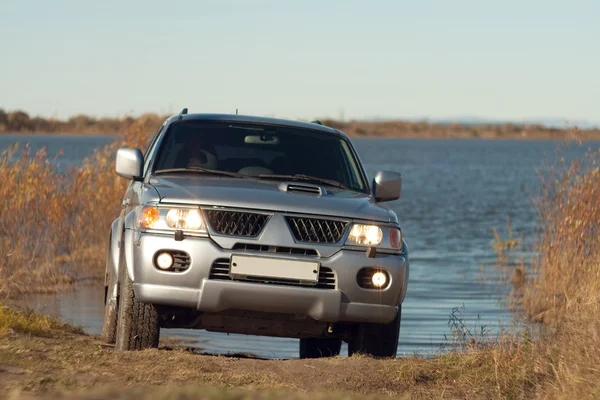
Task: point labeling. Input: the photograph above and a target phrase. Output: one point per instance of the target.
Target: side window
(149, 154)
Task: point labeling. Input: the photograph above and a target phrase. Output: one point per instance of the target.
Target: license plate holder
(265, 268)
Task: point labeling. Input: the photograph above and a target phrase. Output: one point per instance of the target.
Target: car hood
(266, 195)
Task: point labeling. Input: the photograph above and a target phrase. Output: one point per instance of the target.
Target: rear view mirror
(130, 163)
(261, 139)
(387, 186)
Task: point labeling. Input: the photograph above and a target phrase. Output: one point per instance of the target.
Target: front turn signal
(149, 217)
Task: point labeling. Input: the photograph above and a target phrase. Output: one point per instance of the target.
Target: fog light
(164, 261)
(379, 279)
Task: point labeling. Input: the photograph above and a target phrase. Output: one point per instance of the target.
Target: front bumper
(193, 289)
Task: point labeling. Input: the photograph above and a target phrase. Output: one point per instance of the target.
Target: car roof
(250, 119)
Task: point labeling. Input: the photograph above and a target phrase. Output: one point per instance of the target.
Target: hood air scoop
(301, 188)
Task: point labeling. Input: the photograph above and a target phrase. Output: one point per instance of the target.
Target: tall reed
(54, 225)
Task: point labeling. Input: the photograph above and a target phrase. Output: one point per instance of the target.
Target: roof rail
(316, 121)
(182, 113)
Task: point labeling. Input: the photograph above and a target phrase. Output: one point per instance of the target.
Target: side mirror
(387, 186)
(130, 163)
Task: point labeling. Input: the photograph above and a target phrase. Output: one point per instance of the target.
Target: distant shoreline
(20, 123)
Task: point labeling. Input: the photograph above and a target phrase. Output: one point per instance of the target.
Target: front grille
(315, 230)
(220, 271)
(236, 223)
(275, 249)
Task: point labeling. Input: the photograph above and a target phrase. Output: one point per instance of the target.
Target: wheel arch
(121, 237)
(116, 232)
(406, 274)
(128, 241)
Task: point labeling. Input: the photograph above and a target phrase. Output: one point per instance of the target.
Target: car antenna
(316, 121)
(236, 111)
(182, 113)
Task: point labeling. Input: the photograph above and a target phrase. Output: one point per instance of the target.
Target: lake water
(454, 193)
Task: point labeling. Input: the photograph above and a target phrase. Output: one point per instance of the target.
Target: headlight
(184, 219)
(365, 235)
(384, 237)
(171, 218)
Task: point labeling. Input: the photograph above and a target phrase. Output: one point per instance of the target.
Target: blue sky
(302, 59)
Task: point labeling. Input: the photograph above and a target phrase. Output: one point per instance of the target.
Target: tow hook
(371, 252)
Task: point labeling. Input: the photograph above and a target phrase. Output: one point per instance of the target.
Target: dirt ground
(43, 366)
(41, 357)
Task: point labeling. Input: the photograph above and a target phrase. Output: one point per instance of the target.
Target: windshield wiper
(202, 171)
(306, 178)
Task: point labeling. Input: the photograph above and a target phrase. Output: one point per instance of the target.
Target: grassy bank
(51, 359)
(21, 122)
(58, 360)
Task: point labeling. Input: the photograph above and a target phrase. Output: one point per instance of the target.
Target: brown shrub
(54, 226)
(566, 274)
(561, 286)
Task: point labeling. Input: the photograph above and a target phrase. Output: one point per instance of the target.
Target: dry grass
(561, 286)
(68, 365)
(506, 247)
(564, 277)
(565, 289)
(207, 392)
(54, 226)
(72, 363)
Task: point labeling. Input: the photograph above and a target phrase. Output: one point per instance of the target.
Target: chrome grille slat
(236, 223)
(274, 249)
(220, 271)
(316, 230)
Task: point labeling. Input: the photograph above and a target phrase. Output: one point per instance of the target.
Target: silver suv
(258, 226)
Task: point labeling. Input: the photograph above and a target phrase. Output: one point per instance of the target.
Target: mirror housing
(387, 186)
(130, 163)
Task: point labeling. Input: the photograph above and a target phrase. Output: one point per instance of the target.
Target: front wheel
(377, 340)
(320, 347)
(138, 324)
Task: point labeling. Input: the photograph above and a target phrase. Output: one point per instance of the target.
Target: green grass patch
(27, 322)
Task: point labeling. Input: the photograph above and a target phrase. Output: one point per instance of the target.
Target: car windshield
(254, 150)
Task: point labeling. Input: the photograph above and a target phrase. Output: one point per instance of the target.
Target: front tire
(320, 347)
(376, 340)
(138, 324)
